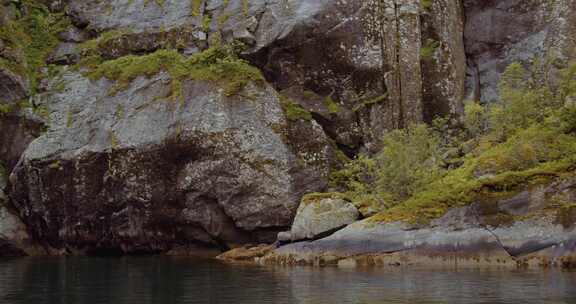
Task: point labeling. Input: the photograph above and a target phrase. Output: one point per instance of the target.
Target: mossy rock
(311, 198)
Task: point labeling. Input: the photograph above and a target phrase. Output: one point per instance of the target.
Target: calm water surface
(142, 280)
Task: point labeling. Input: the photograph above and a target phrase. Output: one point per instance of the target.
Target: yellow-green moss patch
(219, 65)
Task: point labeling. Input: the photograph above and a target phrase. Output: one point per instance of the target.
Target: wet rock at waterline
(519, 231)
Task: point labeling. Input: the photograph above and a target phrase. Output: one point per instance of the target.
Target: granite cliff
(140, 126)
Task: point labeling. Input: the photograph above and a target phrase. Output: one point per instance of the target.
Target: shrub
(410, 159)
(528, 138)
(475, 118)
(522, 105)
(33, 32)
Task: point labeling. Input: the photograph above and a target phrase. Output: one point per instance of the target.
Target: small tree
(410, 159)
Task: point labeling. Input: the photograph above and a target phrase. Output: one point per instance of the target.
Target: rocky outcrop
(523, 230)
(129, 168)
(138, 171)
(371, 64)
(371, 75)
(320, 218)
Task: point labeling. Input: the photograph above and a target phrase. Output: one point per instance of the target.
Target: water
(142, 280)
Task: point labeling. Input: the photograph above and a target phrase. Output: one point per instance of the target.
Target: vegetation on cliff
(31, 37)
(217, 64)
(498, 149)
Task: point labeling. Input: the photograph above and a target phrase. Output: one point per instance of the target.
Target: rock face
(498, 33)
(14, 239)
(371, 63)
(137, 171)
(320, 218)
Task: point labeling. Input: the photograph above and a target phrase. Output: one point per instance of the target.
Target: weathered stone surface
(65, 53)
(18, 130)
(498, 33)
(363, 55)
(12, 87)
(12, 232)
(483, 233)
(136, 15)
(320, 218)
(138, 171)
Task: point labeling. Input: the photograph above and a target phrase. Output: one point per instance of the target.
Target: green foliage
(527, 149)
(217, 64)
(475, 118)
(523, 104)
(410, 159)
(528, 138)
(566, 118)
(33, 34)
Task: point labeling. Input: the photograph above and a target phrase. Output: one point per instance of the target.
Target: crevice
(494, 235)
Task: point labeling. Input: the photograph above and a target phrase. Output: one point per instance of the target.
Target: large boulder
(320, 218)
(138, 171)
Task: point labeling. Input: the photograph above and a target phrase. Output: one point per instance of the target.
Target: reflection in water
(144, 280)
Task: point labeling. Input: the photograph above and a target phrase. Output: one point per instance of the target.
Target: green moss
(206, 21)
(293, 110)
(222, 19)
(217, 64)
(197, 7)
(369, 102)
(460, 188)
(332, 106)
(13, 107)
(90, 49)
(309, 94)
(246, 7)
(114, 143)
(426, 4)
(5, 108)
(429, 49)
(317, 197)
